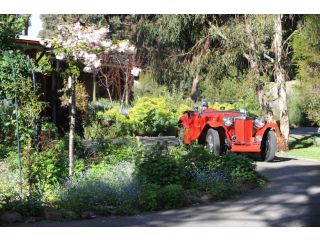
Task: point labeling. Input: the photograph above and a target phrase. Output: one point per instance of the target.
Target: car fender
(271, 126)
(214, 124)
(184, 120)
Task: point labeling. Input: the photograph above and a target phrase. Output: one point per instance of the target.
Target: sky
(36, 26)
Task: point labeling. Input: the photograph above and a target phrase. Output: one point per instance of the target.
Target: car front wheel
(269, 146)
(213, 142)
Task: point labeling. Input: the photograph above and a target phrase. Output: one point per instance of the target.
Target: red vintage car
(229, 130)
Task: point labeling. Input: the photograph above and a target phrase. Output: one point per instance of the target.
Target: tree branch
(291, 35)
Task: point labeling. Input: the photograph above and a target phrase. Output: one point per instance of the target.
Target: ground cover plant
(125, 179)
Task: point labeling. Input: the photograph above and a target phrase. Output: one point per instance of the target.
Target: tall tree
(83, 48)
(280, 78)
(306, 46)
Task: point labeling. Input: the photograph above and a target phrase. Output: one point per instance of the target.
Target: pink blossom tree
(89, 45)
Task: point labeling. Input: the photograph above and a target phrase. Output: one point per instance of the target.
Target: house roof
(30, 42)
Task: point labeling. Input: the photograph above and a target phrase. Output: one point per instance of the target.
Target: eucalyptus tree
(306, 46)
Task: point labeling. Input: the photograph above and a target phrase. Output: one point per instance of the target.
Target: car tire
(269, 146)
(213, 142)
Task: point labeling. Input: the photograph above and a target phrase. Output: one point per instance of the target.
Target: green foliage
(159, 167)
(10, 27)
(155, 197)
(148, 87)
(236, 167)
(172, 196)
(149, 199)
(29, 206)
(94, 125)
(5, 149)
(122, 150)
(236, 88)
(149, 116)
(44, 65)
(7, 120)
(10, 180)
(297, 115)
(306, 48)
(22, 87)
(48, 170)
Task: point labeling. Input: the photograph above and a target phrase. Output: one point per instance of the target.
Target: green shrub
(149, 116)
(118, 151)
(5, 149)
(172, 196)
(159, 167)
(29, 206)
(152, 116)
(47, 170)
(235, 167)
(126, 210)
(221, 190)
(196, 158)
(149, 199)
(94, 125)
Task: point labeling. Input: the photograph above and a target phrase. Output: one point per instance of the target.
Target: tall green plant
(22, 87)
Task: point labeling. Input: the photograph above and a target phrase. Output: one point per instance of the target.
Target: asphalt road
(291, 198)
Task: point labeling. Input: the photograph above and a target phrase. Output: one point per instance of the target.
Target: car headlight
(227, 121)
(259, 122)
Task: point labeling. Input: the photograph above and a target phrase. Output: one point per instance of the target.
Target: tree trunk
(54, 93)
(72, 114)
(280, 77)
(194, 91)
(254, 65)
(94, 91)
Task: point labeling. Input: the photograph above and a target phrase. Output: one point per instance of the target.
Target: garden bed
(126, 178)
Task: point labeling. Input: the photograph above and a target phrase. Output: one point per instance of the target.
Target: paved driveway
(291, 198)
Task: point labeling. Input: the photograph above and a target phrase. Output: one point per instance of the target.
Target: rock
(54, 215)
(88, 215)
(11, 217)
(70, 215)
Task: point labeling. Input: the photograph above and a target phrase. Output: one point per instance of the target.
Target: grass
(302, 147)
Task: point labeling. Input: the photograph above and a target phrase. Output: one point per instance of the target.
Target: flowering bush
(100, 186)
(207, 179)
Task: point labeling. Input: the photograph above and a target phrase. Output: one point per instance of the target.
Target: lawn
(302, 147)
